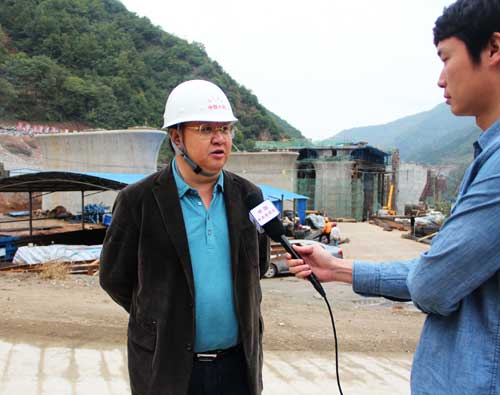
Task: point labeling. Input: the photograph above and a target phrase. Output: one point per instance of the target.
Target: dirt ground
(75, 312)
(40, 226)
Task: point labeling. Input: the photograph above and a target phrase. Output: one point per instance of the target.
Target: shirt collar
(487, 137)
(183, 187)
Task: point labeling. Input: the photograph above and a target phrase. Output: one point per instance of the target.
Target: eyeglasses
(207, 131)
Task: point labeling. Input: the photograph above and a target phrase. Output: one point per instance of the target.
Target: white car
(277, 264)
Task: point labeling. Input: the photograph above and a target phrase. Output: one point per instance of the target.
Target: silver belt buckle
(205, 357)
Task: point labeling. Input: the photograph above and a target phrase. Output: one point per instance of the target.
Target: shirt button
(209, 232)
(189, 347)
(199, 203)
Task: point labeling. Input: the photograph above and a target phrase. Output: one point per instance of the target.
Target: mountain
(288, 129)
(431, 137)
(94, 62)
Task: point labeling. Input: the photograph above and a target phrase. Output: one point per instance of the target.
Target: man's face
(465, 84)
(208, 144)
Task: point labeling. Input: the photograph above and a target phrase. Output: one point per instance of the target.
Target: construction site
(56, 205)
(61, 188)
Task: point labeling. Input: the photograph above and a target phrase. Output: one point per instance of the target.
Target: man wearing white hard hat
(182, 257)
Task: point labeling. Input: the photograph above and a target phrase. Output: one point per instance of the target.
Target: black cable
(336, 346)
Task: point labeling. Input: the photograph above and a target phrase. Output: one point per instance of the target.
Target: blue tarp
(118, 177)
(270, 193)
(273, 194)
(37, 181)
(18, 213)
(277, 196)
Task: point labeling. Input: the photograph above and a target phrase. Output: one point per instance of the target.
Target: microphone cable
(336, 345)
(274, 230)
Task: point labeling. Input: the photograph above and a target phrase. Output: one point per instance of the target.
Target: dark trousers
(226, 375)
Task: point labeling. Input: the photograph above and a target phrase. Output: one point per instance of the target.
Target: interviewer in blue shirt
(457, 282)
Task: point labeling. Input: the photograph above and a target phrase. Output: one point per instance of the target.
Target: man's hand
(318, 261)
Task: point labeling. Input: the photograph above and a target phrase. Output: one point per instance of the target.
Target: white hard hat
(197, 100)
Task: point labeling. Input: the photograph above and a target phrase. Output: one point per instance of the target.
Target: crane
(388, 206)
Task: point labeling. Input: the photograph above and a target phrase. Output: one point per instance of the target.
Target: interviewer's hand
(318, 261)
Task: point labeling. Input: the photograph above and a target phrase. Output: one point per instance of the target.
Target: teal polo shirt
(208, 238)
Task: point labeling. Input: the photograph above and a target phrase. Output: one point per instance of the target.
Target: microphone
(265, 216)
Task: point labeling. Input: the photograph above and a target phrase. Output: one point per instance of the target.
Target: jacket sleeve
(118, 264)
(264, 248)
(264, 254)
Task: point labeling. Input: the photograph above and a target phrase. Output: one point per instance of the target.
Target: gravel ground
(75, 312)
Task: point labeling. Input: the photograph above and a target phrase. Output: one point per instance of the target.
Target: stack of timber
(389, 223)
(425, 239)
(345, 220)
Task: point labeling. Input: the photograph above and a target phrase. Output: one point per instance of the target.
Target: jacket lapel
(235, 215)
(167, 198)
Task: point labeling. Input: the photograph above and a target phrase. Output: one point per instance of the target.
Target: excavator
(388, 207)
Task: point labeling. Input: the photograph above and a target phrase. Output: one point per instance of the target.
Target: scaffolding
(343, 180)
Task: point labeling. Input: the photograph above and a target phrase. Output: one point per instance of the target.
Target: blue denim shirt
(457, 283)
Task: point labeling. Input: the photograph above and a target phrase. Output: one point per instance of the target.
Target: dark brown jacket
(146, 268)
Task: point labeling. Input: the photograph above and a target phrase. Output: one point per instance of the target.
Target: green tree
(36, 81)
(8, 96)
(95, 62)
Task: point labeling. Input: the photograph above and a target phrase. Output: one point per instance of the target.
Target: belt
(210, 356)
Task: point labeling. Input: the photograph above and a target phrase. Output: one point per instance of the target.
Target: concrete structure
(420, 184)
(333, 187)
(412, 179)
(113, 151)
(133, 151)
(277, 169)
(342, 181)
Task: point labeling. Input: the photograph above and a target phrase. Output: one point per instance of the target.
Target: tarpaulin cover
(56, 253)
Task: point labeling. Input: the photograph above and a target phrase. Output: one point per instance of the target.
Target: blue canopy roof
(274, 194)
(118, 177)
(269, 192)
(51, 181)
(72, 180)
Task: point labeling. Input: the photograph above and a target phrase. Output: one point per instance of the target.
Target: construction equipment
(388, 208)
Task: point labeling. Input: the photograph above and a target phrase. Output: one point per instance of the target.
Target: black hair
(471, 21)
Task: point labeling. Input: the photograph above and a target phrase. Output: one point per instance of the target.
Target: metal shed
(58, 181)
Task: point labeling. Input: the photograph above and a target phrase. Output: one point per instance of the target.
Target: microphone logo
(263, 213)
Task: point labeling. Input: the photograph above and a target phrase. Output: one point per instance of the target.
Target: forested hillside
(94, 62)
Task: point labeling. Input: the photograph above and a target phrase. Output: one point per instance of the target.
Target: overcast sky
(322, 65)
